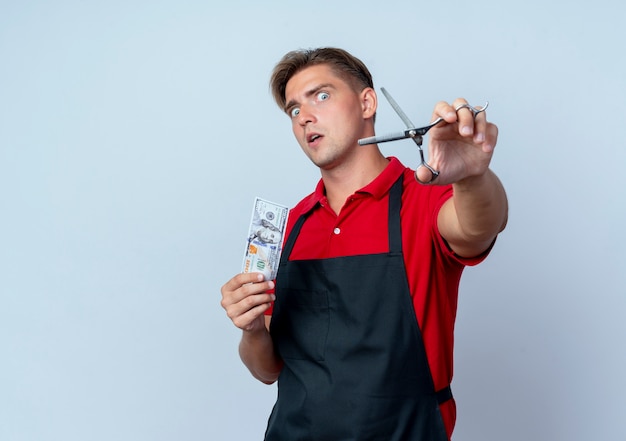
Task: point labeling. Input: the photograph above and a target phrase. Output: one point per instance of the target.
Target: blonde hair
(344, 64)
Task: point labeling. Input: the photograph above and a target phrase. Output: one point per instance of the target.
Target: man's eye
(295, 112)
(323, 96)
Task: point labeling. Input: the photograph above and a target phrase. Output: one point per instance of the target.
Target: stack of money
(265, 238)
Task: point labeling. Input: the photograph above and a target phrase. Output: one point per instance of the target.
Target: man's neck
(345, 180)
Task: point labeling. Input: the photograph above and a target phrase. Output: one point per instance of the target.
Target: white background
(134, 136)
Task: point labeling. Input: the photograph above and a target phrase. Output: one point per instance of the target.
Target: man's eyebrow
(310, 92)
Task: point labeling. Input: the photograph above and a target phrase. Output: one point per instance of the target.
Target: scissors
(415, 133)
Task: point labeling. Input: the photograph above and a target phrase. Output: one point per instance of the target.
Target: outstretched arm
(462, 150)
(476, 213)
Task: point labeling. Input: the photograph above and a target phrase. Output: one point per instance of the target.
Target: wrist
(474, 181)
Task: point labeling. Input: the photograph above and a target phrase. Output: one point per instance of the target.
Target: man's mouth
(312, 138)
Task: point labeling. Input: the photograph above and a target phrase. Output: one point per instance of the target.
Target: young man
(359, 332)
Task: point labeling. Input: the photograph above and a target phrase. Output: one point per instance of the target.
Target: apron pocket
(300, 324)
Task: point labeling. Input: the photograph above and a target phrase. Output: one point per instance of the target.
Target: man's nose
(305, 116)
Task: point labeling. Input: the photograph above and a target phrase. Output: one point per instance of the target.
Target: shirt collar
(383, 182)
(377, 188)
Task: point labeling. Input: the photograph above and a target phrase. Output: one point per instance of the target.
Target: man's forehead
(311, 77)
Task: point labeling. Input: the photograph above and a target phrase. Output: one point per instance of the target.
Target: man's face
(326, 115)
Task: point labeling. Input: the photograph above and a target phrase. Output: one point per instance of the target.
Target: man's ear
(369, 102)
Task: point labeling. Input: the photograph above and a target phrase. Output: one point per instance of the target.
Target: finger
(246, 297)
(424, 175)
(465, 117)
(446, 111)
(247, 304)
(253, 277)
(242, 279)
(491, 138)
(245, 279)
(480, 128)
(244, 285)
(246, 320)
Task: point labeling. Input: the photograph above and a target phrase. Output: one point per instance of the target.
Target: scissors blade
(384, 138)
(397, 108)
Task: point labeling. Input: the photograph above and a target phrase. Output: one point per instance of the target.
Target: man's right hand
(245, 299)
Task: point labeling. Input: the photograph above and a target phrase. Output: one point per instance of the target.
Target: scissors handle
(415, 133)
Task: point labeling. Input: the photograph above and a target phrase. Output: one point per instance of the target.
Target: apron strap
(291, 239)
(444, 395)
(395, 228)
(395, 246)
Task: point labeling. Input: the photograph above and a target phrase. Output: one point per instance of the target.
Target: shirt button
(337, 230)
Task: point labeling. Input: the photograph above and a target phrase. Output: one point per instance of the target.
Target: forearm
(256, 350)
(474, 216)
(481, 206)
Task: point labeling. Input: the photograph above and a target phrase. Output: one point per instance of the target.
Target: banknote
(265, 238)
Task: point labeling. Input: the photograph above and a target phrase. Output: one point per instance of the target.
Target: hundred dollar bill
(265, 238)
